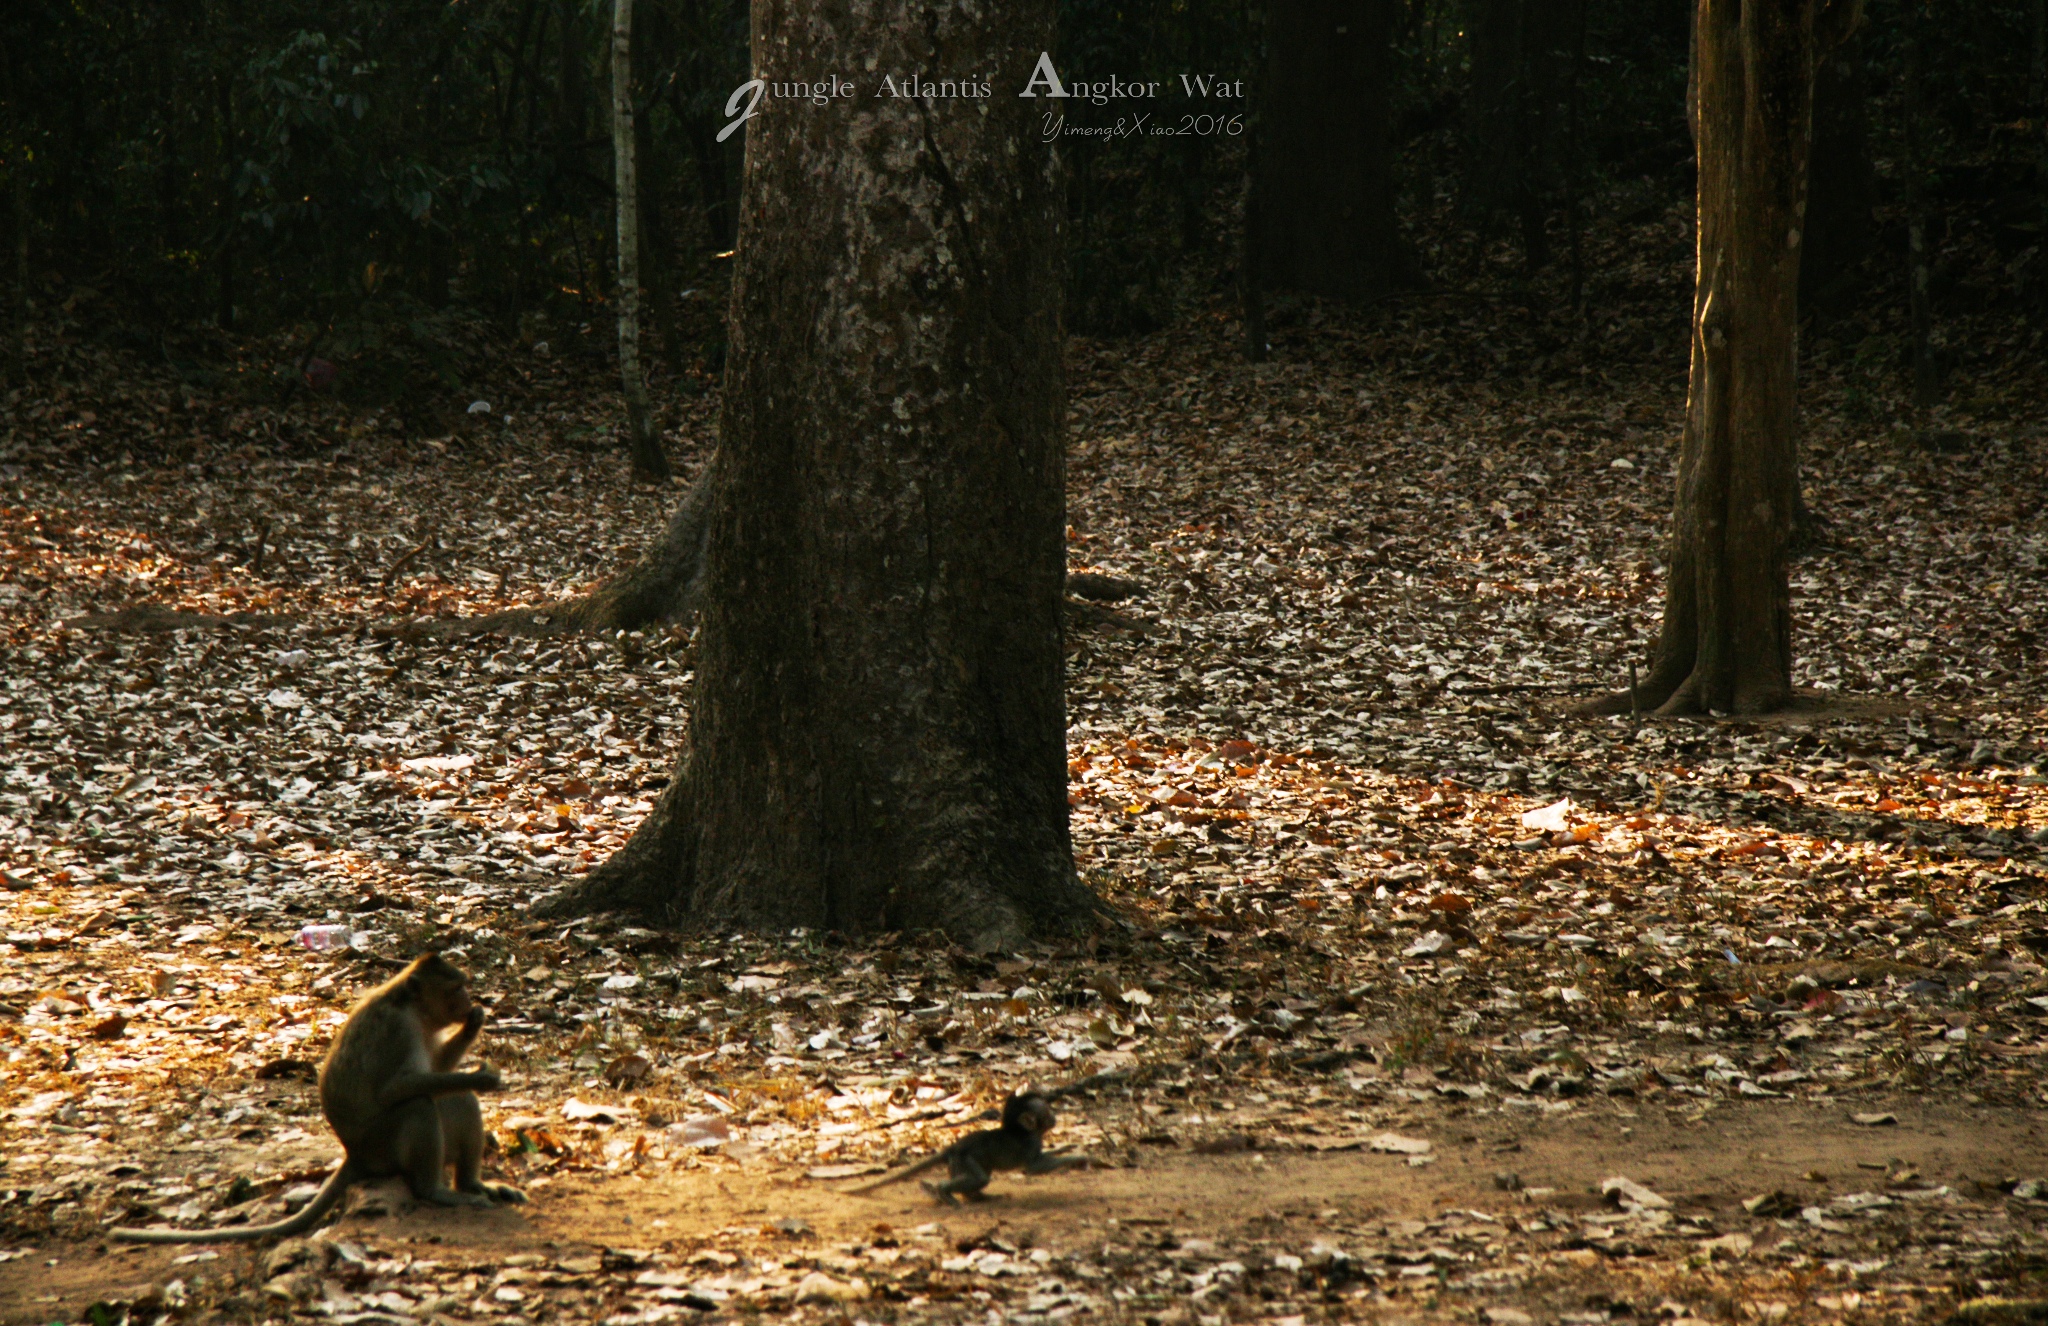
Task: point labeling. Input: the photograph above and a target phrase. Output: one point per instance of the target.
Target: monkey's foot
(504, 1192)
(939, 1191)
(450, 1197)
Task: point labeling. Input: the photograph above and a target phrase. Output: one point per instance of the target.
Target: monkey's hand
(486, 1079)
(474, 1023)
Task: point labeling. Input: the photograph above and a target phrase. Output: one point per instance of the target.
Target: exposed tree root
(142, 617)
(661, 587)
(1683, 702)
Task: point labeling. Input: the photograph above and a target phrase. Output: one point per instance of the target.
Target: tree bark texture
(1323, 176)
(877, 736)
(1726, 641)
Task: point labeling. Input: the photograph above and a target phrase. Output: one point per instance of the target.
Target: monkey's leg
(417, 1150)
(462, 1134)
(969, 1178)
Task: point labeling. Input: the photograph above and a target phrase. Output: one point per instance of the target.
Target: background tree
(1324, 184)
(877, 737)
(1841, 190)
(1726, 641)
(423, 192)
(644, 440)
(1917, 166)
(1523, 73)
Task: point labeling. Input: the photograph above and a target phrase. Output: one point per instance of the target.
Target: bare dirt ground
(1885, 1220)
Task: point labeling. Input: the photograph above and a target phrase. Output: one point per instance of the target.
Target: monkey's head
(1029, 1111)
(438, 989)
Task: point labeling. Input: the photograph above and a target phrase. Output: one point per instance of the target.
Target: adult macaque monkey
(391, 1094)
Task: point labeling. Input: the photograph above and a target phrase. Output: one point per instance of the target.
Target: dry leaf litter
(1383, 893)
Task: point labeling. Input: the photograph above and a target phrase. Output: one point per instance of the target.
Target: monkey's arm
(403, 1087)
(929, 1162)
(449, 1053)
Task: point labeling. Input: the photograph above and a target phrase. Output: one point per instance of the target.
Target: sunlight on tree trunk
(878, 734)
(649, 462)
(1726, 641)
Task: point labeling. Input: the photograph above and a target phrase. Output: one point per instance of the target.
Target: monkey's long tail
(299, 1222)
(929, 1162)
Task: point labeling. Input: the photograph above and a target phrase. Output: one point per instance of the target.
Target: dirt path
(1877, 1221)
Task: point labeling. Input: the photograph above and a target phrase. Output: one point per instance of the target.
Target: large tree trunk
(649, 461)
(1726, 642)
(877, 736)
(1324, 182)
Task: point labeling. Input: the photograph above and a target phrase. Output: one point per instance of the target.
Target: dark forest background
(224, 191)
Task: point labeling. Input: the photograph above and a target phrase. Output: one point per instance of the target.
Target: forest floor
(1412, 961)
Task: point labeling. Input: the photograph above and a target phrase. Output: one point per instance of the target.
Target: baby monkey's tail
(908, 1171)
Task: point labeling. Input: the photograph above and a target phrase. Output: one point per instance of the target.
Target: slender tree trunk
(877, 736)
(714, 183)
(658, 249)
(169, 170)
(1919, 304)
(17, 191)
(2037, 97)
(1325, 181)
(1523, 81)
(1495, 152)
(1251, 292)
(655, 49)
(1726, 641)
(2037, 70)
(224, 204)
(1574, 161)
(1842, 188)
(570, 95)
(649, 461)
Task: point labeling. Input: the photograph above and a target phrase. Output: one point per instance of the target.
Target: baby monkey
(391, 1094)
(1019, 1143)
